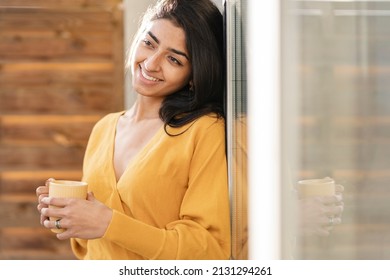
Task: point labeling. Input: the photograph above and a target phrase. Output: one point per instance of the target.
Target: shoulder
(105, 125)
(206, 127)
(108, 120)
(209, 120)
(203, 124)
(209, 124)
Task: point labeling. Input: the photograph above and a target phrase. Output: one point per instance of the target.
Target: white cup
(316, 187)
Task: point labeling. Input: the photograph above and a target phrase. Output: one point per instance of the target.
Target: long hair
(202, 23)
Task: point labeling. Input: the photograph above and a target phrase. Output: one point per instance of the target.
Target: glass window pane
(336, 101)
(237, 146)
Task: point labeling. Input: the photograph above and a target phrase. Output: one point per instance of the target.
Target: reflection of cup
(316, 187)
(66, 189)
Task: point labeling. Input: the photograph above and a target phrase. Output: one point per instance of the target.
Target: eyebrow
(170, 49)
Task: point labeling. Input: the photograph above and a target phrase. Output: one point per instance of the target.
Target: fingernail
(45, 200)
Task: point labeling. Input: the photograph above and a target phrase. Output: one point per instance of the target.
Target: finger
(339, 197)
(41, 197)
(40, 204)
(331, 221)
(337, 220)
(64, 235)
(341, 203)
(55, 201)
(48, 181)
(340, 209)
(339, 188)
(330, 199)
(335, 210)
(52, 212)
(43, 219)
(51, 224)
(41, 190)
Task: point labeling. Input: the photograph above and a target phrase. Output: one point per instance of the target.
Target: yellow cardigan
(172, 202)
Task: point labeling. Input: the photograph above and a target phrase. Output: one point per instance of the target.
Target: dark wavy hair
(202, 23)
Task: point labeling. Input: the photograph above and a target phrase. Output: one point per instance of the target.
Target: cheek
(179, 81)
(180, 77)
(137, 55)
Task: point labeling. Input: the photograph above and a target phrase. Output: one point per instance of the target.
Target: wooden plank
(57, 73)
(16, 157)
(48, 120)
(60, 254)
(13, 182)
(84, 5)
(42, 175)
(62, 100)
(19, 211)
(52, 23)
(49, 34)
(66, 131)
(32, 243)
(75, 48)
(118, 51)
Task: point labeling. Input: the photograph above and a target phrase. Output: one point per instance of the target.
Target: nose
(152, 63)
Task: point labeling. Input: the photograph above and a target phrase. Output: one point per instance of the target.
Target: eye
(174, 60)
(147, 43)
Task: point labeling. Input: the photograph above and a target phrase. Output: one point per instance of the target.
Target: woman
(157, 172)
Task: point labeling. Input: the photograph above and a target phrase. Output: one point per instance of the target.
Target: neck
(144, 109)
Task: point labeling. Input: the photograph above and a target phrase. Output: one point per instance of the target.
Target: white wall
(133, 11)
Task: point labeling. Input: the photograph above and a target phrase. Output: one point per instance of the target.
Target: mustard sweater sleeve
(79, 247)
(202, 228)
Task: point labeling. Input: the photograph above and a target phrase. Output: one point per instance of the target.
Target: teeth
(148, 77)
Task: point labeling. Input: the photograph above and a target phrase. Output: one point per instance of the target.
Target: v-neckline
(135, 157)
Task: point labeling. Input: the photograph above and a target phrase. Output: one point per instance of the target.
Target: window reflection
(336, 65)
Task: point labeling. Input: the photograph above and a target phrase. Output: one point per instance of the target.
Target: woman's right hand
(41, 192)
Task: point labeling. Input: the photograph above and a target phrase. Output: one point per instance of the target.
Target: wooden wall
(61, 69)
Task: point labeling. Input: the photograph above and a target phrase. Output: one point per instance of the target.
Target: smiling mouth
(147, 77)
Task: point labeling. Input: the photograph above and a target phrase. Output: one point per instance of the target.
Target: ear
(191, 85)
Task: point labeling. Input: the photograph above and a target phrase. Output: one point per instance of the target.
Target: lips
(147, 77)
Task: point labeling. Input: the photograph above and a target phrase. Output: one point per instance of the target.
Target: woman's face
(160, 63)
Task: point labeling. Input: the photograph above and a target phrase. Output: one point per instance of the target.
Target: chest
(130, 140)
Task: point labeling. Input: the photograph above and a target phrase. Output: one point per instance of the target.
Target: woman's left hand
(86, 219)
